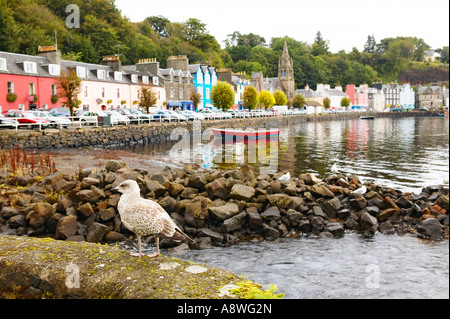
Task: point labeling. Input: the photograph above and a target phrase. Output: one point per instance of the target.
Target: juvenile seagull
(145, 217)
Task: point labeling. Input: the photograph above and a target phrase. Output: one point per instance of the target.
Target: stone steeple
(286, 72)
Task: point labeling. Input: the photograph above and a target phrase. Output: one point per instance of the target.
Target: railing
(77, 122)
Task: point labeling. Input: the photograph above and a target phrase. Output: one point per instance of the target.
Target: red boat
(229, 135)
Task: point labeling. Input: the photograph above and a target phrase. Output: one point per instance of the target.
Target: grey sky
(345, 23)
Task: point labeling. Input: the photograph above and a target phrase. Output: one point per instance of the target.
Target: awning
(174, 104)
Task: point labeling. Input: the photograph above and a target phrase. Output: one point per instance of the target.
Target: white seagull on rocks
(361, 191)
(334, 169)
(145, 217)
(285, 177)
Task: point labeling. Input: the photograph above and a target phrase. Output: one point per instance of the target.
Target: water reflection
(406, 153)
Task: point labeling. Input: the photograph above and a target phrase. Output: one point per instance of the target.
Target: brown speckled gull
(145, 217)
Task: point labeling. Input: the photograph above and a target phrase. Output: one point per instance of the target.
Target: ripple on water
(350, 267)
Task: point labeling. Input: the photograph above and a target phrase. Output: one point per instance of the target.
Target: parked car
(146, 118)
(223, 115)
(191, 115)
(209, 114)
(134, 118)
(27, 119)
(94, 117)
(121, 119)
(160, 116)
(60, 111)
(55, 121)
(396, 110)
(7, 123)
(175, 116)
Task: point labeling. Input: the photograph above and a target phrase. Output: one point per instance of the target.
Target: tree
(266, 99)
(222, 96)
(69, 86)
(371, 44)
(280, 98)
(195, 98)
(345, 102)
(250, 97)
(148, 98)
(320, 46)
(326, 103)
(299, 101)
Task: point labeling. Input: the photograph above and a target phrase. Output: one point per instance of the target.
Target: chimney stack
(148, 65)
(51, 53)
(113, 61)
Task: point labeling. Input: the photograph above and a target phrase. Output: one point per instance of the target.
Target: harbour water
(406, 154)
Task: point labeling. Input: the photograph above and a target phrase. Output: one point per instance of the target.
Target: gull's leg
(157, 249)
(140, 248)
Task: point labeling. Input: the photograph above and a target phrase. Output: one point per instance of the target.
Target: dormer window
(134, 78)
(118, 76)
(30, 67)
(155, 80)
(101, 74)
(81, 72)
(54, 69)
(145, 79)
(3, 65)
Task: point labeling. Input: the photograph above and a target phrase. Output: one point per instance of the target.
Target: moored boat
(367, 117)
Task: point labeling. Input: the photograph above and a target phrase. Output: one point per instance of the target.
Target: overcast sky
(345, 23)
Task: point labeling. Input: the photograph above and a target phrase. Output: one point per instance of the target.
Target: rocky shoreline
(216, 208)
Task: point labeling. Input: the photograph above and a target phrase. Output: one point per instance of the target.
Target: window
(101, 74)
(181, 92)
(54, 69)
(145, 79)
(54, 89)
(103, 92)
(10, 87)
(207, 93)
(134, 78)
(3, 64)
(118, 93)
(139, 94)
(30, 67)
(81, 71)
(86, 93)
(32, 89)
(155, 80)
(172, 93)
(118, 76)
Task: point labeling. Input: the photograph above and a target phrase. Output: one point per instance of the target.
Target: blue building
(204, 78)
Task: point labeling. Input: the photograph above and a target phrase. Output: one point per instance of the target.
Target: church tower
(286, 73)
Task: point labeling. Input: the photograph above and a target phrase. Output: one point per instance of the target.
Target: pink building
(107, 85)
(359, 96)
(29, 82)
(31, 79)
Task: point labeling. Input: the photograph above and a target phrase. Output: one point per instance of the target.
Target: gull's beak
(114, 190)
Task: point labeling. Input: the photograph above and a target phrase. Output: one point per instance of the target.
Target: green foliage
(26, 24)
(249, 290)
(299, 101)
(250, 97)
(280, 98)
(266, 99)
(345, 102)
(11, 97)
(222, 96)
